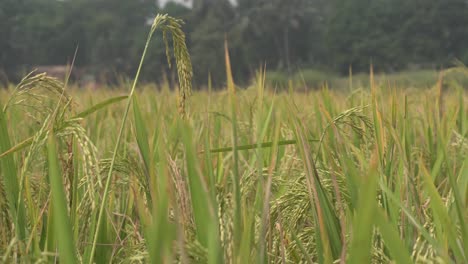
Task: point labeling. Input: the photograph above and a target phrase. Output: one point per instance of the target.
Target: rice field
(144, 174)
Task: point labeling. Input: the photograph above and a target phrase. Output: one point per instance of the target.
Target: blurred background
(317, 38)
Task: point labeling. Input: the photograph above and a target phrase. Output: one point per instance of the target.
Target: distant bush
(312, 78)
(277, 79)
(305, 79)
(417, 79)
(457, 76)
(316, 79)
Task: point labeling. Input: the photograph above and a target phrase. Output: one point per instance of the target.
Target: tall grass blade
(259, 145)
(363, 220)
(398, 250)
(328, 227)
(100, 106)
(444, 225)
(235, 173)
(10, 180)
(63, 231)
(205, 216)
(141, 135)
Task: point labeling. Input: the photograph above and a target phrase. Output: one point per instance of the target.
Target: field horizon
(374, 171)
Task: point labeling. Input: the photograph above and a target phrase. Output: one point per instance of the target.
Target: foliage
(396, 34)
(286, 36)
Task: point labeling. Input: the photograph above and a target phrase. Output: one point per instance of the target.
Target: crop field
(143, 174)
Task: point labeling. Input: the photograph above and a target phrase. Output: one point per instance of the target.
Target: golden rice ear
(182, 57)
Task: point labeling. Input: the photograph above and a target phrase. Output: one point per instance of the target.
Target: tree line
(331, 35)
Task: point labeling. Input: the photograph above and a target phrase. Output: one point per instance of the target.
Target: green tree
(108, 33)
(28, 29)
(282, 33)
(393, 34)
(9, 10)
(361, 32)
(211, 22)
(434, 32)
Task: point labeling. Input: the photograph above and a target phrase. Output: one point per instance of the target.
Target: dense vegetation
(376, 173)
(288, 35)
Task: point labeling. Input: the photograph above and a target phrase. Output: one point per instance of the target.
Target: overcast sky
(163, 2)
(187, 2)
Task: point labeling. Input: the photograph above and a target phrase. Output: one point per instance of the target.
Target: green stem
(114, 155)
(255, 146)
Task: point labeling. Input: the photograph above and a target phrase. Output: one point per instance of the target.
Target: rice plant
(378, 175)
